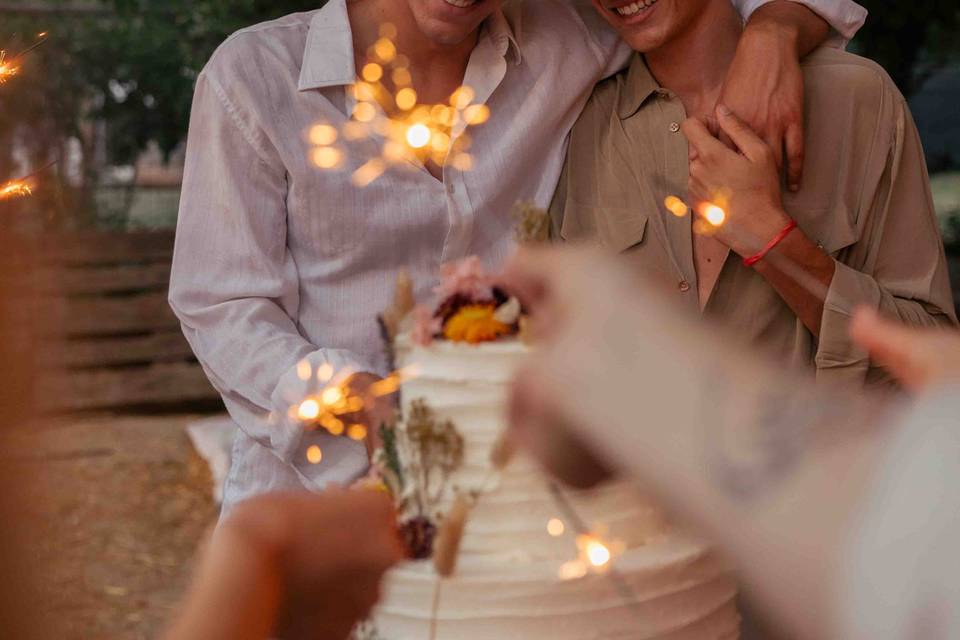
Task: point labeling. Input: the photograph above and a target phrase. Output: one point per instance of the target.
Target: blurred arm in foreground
(291, 566)
(843, 507)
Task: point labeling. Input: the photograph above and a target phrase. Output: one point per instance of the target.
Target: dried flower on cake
(418, 536)
(437, 449)
(475, 324)
(386, 461)
(416, 462)
(403, 303)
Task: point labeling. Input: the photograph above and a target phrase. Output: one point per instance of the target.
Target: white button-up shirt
(278, 261)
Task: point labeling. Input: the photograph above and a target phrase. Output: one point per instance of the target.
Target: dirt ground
(121, 504)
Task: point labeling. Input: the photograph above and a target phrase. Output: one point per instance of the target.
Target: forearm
(801, 273)
(725, 438)
(235, 596)
(788, 23)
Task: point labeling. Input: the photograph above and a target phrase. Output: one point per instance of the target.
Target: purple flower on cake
(466, 278)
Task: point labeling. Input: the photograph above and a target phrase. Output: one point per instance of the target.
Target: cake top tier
(470, 307)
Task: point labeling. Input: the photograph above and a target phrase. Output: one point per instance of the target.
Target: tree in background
(117, 75)
(911, 40)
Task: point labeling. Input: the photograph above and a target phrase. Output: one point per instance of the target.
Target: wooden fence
(107, 337)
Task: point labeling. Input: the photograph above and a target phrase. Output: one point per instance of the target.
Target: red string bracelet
(777, 239)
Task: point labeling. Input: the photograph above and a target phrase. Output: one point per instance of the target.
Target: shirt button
(674, 127)
(683, 286)
(663, 93)
(450, 188)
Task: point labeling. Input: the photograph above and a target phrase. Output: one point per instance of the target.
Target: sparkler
(9, 68)
(333, 400)
(16, 189)
(713, 215)
(387, 108)
(22, 187)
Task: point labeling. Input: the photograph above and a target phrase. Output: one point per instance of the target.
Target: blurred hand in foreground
(584, 319)
(918, 357)
(292, 566)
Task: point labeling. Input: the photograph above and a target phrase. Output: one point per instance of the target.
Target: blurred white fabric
(213, 440)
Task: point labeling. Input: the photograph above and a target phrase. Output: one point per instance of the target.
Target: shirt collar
(639, 84)
(328, 55)
(504, 28)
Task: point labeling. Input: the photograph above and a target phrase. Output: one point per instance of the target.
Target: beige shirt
(865, 199)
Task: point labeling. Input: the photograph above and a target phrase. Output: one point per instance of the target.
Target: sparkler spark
(16, 189)
(326, 406)
(706, 224)
(314, 455)
(388, 108)
(714, 215)
(7, 69)
(555, 527)
(11, 67)
(597, 553)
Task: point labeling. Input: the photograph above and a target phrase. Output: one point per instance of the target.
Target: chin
(450, 22)
(643, 24)
(643, 42)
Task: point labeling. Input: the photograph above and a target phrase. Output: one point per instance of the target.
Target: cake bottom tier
(679, 590)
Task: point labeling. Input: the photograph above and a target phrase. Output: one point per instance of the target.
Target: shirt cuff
(849, 290)
(295, 385)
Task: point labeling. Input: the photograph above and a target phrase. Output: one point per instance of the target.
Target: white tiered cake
(513, 578)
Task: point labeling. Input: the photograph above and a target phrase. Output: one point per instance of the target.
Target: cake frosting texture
(662, 583)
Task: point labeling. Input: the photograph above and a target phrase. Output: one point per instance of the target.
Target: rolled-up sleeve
(898, 266)
(845, 17)
(234, 284)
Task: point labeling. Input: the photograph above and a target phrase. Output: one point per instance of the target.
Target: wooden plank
(98, 248)
(169, 346)
(160, 384)
(72, 281)
(106, 316)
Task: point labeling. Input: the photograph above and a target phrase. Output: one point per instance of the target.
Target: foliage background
(115, 75)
